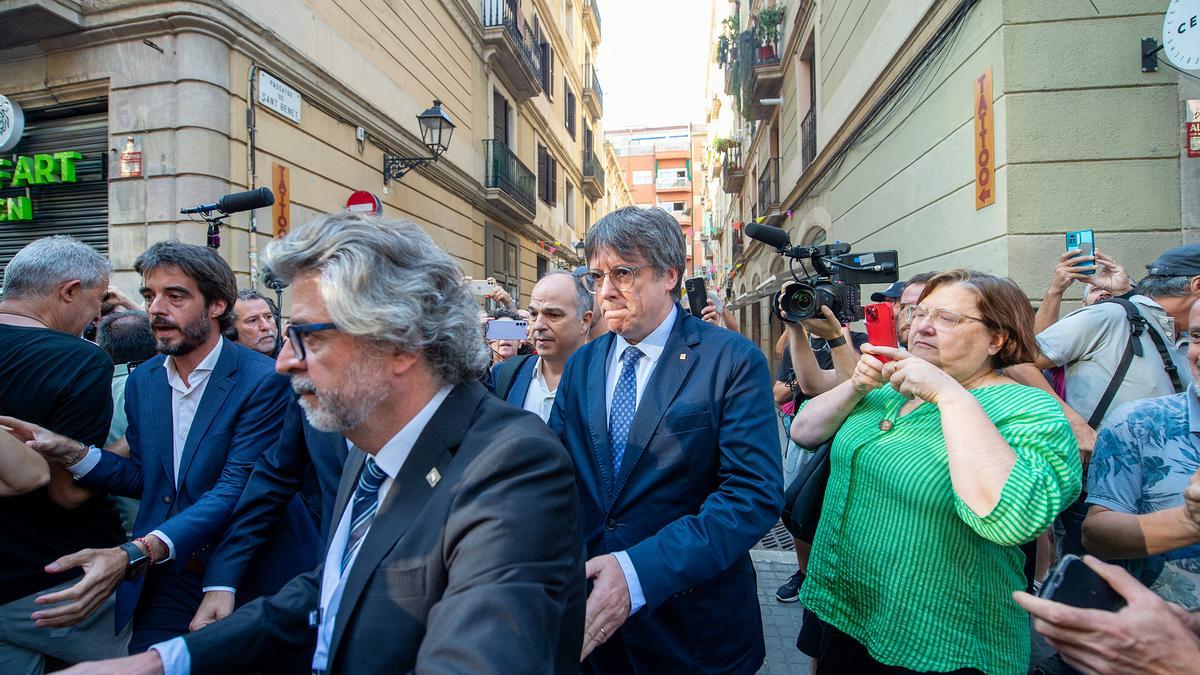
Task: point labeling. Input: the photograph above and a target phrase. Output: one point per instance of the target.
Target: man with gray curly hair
(432, 564)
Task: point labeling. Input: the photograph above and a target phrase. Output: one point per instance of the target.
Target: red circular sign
(365, 202)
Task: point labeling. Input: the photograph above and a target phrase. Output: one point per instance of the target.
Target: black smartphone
(1085, 240)
(697, 295)
(1074, 583)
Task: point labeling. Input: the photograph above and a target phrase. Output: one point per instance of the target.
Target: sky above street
(652, 61)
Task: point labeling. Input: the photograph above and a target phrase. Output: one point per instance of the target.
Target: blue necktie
(363, 508)
(624, 405)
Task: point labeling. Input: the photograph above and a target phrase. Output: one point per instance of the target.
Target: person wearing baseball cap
(890, 294)
(1091, 343)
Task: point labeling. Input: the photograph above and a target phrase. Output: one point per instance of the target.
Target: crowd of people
(386, 481)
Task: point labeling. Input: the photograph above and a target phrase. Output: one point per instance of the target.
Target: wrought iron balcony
(732, 173)
(512, 52)
(507, 180)
(593, 96)
(591, 20)
(593, 175)
(766, 79)
(673, 183)
(768, 192)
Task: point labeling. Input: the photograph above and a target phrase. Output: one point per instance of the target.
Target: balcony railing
(768, 187)
(500, 13)
(767, 53)
(593, 171)
(673, 183)
(731, 158)
(591, 84)
(808, 136)
(672, 145)
(592, 6)
(504, 171)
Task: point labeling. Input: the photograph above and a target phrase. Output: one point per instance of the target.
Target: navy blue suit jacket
(277, 480)
(239, 416)
(521, 381)
(700, 483)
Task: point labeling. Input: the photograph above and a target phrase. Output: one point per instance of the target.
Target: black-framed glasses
(296, 331)
(944, 320)
(622, 277)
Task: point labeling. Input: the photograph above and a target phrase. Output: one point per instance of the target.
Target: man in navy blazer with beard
(671, 426)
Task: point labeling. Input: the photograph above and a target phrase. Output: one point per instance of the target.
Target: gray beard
(343, 410)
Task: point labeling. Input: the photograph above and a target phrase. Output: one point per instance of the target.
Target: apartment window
(543, 266)
(643, 177)
(569, 20)
(587, 217)
(569, 108)
(547, 176)
(502, 259)
(501, 114)
(547, 57)
(570, 203)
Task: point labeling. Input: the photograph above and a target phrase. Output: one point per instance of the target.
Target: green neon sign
(26, 170)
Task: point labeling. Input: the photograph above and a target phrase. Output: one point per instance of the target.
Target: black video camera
(836, 279)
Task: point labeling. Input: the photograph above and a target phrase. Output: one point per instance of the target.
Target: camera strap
(1137, 325)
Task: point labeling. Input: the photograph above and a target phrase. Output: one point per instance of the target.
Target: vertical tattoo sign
(985, 142)
(281, 212)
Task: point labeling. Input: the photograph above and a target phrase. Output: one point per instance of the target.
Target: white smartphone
(482, 287)
(507, 329)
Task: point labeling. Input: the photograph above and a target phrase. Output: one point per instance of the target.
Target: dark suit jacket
(238, 417)
(480, 573)
(520, 383)
(273, 492)
(700, 483)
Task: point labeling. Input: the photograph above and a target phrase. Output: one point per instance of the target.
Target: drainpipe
(253, 248)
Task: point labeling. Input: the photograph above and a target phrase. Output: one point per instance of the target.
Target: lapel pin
(433, 477)
(683, 357)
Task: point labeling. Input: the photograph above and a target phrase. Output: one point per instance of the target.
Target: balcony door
(501, 112)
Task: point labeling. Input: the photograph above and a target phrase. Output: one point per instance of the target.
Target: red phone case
(881, 327)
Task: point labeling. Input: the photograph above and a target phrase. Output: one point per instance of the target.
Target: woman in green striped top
(940, 468)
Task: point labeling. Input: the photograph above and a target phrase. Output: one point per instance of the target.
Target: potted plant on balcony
(766, 27)
(726, 41)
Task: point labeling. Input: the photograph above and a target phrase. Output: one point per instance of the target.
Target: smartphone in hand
(697, 295)
(881, 327)
(507, 329)
(1085, 241)
(1074, 583)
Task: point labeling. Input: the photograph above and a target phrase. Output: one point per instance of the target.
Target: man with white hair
(53, 289)
(456, 528)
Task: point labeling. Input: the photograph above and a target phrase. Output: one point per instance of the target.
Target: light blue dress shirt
(652, 346)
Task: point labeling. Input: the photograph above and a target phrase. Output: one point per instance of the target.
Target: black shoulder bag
(1137, 325)
(803, 496)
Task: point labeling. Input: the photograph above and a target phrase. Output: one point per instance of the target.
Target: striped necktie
(363, 508)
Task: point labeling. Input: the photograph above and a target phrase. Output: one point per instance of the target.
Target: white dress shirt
(652, 347)
(185, 400)
(540, 397)
(390, 458)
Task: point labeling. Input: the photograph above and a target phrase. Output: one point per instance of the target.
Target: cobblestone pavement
(781, 622)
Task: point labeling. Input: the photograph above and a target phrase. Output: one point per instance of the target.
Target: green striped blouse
(902, 565)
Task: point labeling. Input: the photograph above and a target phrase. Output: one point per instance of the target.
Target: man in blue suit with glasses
(671, 426)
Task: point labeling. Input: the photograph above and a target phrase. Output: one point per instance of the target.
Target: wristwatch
(139, 561)
(836, 342)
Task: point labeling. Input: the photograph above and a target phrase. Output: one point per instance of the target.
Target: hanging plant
(747, 44)
(726, 40)
(722, 51)
(721, 144)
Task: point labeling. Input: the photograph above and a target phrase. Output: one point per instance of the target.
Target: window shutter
(553, 180)
(500, 118)
(543, 167)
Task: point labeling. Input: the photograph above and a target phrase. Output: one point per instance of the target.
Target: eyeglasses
(621, 277)
(943, 320)
(295, 334)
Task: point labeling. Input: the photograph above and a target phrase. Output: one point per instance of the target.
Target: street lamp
(436, 129)
(579, 251)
